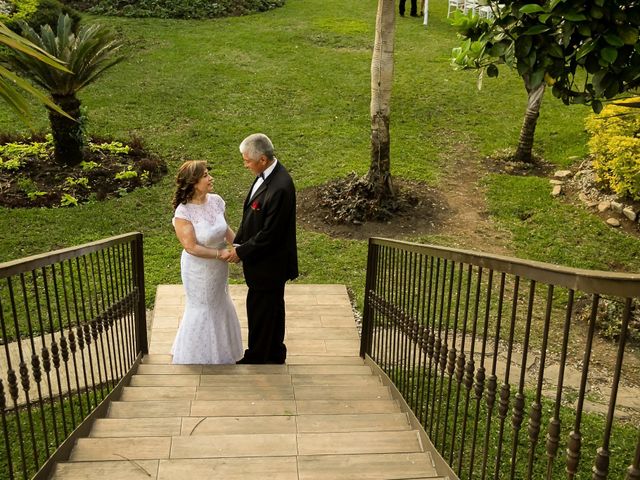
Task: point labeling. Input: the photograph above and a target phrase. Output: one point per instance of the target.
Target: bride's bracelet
(217, 254)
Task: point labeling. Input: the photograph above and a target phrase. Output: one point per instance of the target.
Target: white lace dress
(209, 332)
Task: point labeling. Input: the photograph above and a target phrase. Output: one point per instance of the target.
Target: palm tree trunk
(524, 152)
(379, 176)
(68, 137)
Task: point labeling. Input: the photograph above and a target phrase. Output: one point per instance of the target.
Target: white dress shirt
(262, 177)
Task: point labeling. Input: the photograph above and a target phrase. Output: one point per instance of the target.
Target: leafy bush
(615, 146)
(186, 9)
(35, 13)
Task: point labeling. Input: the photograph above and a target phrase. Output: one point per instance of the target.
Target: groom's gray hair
(256, 145)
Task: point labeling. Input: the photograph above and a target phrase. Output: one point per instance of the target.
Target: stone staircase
(324, 415)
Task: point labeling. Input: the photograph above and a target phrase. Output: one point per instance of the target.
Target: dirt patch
(422, 214)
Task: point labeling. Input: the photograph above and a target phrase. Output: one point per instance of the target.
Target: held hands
(226, 255)
(232, 256)
(223, 254)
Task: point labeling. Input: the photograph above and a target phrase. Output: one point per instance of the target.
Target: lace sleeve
(181, 212)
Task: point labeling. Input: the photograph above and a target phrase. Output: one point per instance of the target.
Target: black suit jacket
(267, 233)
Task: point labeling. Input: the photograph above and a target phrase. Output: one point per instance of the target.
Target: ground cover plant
(187, 9)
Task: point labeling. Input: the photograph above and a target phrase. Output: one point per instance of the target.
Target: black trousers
(265, 314)
(414, 7)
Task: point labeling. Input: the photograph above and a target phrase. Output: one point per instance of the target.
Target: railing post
(367, 316)
(141, 312)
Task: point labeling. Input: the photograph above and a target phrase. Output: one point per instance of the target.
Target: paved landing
(324, 415)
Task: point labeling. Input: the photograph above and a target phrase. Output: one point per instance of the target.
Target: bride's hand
(224, 255)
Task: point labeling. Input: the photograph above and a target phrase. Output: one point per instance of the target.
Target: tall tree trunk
(68, 138)
(524, 153)
(379, 176)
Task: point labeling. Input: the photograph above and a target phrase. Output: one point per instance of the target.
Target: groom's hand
(233, 256)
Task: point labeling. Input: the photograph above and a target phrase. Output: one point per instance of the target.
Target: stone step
(338, 407)
(352, 422)
(292, 359)
(132, 394)
(239, 408)
(330, 370)
(175, 426)
(347, 380)
(324, 392)
(323, 360)
(113, 470)
(250, 445)
(136, 427)
(348, 443)
(121, 448)
(225, 392)
(367, 467)
(273, 468)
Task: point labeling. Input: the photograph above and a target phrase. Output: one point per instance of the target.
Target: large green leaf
(532, 8)
(609, 54)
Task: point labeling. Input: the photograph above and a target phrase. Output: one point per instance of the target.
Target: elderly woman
(209, 332)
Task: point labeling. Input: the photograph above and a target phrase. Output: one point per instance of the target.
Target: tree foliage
(587, 51)
(88, 54)
(12, 87)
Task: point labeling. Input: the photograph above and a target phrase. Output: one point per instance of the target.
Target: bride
(209, 332)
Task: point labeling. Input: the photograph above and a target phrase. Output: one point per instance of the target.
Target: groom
(266, 245)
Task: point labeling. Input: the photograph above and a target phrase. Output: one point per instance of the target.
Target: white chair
(471, 6)
(455, 5)
(484, 11)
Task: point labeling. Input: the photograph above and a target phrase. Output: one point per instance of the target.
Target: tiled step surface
(322, 416)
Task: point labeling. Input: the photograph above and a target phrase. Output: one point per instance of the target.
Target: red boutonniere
(255, 205)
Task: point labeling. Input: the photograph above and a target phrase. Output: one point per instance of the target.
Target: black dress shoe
(415, 15)
(243, 361)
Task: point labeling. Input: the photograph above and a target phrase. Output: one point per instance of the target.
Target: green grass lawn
(301, 74)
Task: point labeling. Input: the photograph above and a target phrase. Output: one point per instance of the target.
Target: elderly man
(266, 244)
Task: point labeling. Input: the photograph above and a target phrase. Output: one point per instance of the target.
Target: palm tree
(379, 176)
(11, 84)
(88, 54)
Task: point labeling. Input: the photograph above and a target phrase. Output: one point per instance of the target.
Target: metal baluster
(107, 326)
(460, 363)
(469, 369)
(63, 349)
(55, 351)
(404, 318)
(422, 335)
(415, 328)
(24, 374)
(37, 374)
(519, 401)
(505, 390)
(72, 339)
(601, 466)
(451, 358)
(633, 472)
(90, 329)
(492, 382)
(437, 347)
(12, 381)
(431, 321)
(115, 318)
(575, 437)
(80, 333)
(103, 326)
(120, 315)
(553, 430)
(86, 330)
(535, 411)
(5, 429)
(444, 350)
(480, 374)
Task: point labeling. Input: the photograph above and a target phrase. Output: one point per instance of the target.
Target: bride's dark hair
(189, 174)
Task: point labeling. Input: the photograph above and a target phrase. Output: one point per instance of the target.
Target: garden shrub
(184, 9)
(615, 146)
(34, 13)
